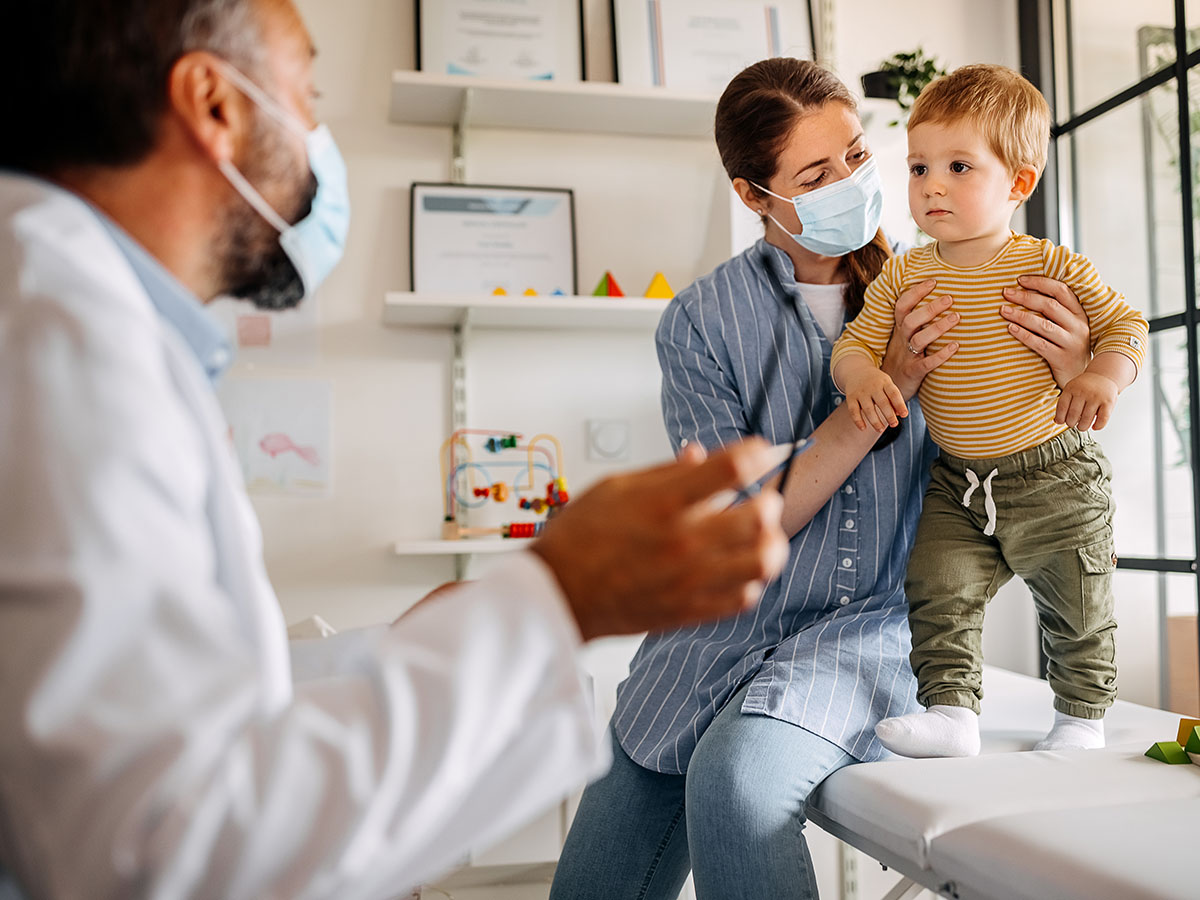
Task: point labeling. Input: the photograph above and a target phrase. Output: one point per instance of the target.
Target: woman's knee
(737, 785)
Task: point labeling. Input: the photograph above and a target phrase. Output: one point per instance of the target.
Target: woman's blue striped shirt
(827, 646)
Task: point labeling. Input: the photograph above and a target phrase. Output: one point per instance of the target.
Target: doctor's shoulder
(64, 274)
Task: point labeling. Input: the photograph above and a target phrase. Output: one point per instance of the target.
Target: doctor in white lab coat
(158, 736)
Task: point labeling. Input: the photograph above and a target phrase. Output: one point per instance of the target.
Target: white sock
(939, 731)
(1073, 733)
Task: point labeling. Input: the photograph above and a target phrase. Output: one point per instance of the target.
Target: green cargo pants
(1044, 514)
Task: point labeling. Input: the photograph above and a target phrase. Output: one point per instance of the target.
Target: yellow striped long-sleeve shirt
(994, 396)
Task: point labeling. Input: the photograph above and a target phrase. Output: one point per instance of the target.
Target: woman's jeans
(736, 819)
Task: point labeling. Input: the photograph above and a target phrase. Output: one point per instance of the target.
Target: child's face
(958, 189)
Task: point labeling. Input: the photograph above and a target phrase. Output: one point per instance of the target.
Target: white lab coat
(157, 739)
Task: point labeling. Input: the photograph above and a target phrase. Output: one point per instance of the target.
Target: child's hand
(871, 395)
(1086, 402)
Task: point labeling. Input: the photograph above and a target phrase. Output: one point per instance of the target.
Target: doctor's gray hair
(85, 81)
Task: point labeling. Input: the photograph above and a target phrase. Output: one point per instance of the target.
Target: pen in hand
(782, 456)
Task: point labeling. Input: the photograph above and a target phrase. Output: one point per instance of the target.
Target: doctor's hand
(1049, 320)
(649, 551)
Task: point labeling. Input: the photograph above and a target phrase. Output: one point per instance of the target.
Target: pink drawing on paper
(275, 444)
(281, 433)
(254, 330)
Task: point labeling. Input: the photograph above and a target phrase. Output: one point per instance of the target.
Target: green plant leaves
(910, 73)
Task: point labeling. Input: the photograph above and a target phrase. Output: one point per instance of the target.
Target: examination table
(1106, 824)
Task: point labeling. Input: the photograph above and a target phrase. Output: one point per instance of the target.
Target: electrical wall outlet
(608, 440)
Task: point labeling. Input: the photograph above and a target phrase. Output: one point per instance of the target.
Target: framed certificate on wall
(477, 239)
(514, 40)
(699, 45)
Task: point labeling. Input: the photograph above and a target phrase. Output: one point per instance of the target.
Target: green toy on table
(1184, 749)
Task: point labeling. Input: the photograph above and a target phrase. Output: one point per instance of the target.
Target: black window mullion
(1166, 323)
(1036, 39)
(1187, 198)
(1152, 564)
(1147, 84)
(1072, 148)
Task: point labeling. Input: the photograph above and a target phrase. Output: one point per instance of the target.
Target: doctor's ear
(211, 110)
(753, 198)
(1024, 181)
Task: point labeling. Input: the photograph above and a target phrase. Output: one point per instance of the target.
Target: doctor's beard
(254, 266)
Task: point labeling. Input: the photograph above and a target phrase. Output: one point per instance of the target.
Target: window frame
(1037, 46)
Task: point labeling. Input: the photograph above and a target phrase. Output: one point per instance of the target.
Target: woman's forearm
(838, 447)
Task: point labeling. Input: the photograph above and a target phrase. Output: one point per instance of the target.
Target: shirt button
(837, 401)
(849, 523)
(843, 600)
(847, 563)
(849, 489)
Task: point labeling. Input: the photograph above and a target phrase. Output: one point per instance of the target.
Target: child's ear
(1024, 181)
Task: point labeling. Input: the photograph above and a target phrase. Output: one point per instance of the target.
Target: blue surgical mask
(316, 243)
(839, 217)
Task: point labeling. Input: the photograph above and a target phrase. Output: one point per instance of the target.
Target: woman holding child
(722, 731)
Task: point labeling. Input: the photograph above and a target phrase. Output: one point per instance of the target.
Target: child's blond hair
(1011, 113)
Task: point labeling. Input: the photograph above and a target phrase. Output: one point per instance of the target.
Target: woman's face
(823, 148)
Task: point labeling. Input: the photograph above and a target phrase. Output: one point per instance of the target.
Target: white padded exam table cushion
(902, 805)
(1133, 851)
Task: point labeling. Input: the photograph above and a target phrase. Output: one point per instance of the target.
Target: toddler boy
(1015, 490)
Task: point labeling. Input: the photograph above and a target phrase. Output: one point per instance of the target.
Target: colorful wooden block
(608, 287)
(1186, 727)
(659, 287)
(1192, 744)
(1168, 752)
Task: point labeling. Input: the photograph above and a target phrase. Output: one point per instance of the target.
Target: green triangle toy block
(608, 287)
(1169, 752)
(1193, 741)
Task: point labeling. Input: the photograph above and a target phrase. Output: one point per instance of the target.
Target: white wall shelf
(423, 98)
(459, 548)
(562, 312)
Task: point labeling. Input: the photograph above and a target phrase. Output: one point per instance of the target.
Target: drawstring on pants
(989, 504)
